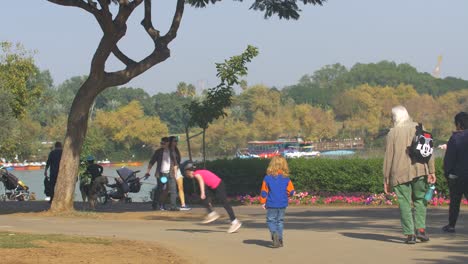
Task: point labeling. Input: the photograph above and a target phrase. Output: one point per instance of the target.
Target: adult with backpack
(456, 168)
(407, 174)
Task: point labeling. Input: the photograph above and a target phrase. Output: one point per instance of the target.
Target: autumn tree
(129, 126)
(315, 123)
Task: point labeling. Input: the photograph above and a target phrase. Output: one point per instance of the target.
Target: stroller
(15, 190)
(127, 182)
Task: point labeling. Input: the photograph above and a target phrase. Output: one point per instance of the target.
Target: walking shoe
(276, 242)
(236, 224)
(421, 235)
(448, 229)
(156, 207)
(210, 217)
(185, 208)
(281, 242)
(162, 208)
(410, 239)
(174, 208)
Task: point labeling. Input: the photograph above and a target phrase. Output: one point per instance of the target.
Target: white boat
(304, 152)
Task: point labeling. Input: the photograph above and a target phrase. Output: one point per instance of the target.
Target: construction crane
(436, 72)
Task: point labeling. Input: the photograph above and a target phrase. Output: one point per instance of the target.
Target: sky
(340, 31)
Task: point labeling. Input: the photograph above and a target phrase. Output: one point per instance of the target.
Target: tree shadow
(258, 242)
(377, 237)
(455, 248)
(195, 230)
(327, 220)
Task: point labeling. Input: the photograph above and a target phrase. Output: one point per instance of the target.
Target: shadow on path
(195, 230)
(377, 237)
(258, 242)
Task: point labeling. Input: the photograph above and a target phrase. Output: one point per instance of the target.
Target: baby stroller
(15, 190)
(127, 182)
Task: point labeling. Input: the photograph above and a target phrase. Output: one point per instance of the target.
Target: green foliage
(287, 9)
(244, 176)
(326, 83)
(115, 97)
(67, 90)
(16, 70)
(8, 120)
(219, 97)
(170, 107)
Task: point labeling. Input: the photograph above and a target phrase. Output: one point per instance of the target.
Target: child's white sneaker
(210, 217)
(235, 225)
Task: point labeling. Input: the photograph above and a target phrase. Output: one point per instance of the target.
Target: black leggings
(458, 188)
(220, 193)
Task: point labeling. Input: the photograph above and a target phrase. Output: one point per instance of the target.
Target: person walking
(53, 163)
(456, 168)
(409, 179)
(210, 183)
(165, 179)
(276, 188)
(175, 159)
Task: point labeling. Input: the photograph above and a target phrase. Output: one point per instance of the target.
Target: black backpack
(422, 146)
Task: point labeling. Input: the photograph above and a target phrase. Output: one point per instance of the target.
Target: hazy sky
(341, 31)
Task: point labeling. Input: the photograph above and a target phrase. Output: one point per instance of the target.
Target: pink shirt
(210, 179)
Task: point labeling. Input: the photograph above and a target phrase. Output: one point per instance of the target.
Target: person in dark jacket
(53, 162)
(456, 168)
(165, 179)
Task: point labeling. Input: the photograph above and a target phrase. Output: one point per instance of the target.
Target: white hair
(400, 115)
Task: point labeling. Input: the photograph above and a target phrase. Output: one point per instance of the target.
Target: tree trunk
(77, 127)
(204, 149)
(188, 142)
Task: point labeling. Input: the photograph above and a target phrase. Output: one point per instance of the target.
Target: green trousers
(412, 193)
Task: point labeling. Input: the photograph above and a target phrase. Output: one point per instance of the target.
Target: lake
(34, 179)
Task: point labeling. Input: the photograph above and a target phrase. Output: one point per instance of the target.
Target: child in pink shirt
(213, 183)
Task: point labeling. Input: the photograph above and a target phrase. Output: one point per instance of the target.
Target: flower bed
(306, 198)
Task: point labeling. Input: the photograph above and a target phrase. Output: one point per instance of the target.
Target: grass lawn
(20, 240)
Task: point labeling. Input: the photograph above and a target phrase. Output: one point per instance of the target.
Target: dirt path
(314, 235)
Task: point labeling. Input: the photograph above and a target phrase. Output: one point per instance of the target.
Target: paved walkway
(312, 235)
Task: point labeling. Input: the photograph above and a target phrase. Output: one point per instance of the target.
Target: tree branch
(133, 70)
(78, 3)
(147, 22)
(172, 33)
(106, 14)
(122, 57)
(125, 10)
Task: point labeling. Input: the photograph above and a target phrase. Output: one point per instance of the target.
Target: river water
(34, 179)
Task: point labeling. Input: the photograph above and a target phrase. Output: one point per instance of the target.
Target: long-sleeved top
(158, 158)
(276, 190)
(95, 170)
(398, 167)
(456, 156)
(53, 162)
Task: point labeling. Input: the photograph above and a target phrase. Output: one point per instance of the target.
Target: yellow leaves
(315, 123)
(226, 135)
(56, 131)
(264, 99)
(129, 125)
